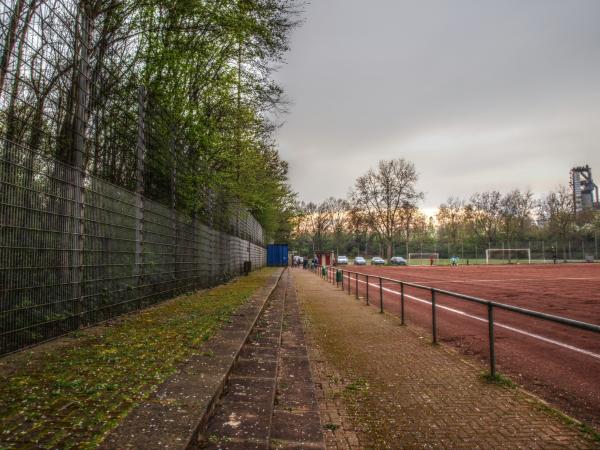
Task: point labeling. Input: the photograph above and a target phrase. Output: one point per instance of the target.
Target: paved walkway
(270, 398)
(397, 390)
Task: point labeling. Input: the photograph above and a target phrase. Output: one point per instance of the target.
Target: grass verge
(69, 393)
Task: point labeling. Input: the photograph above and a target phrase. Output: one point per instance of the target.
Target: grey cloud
(381, 79)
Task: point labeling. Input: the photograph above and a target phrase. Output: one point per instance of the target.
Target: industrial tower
(585, 191)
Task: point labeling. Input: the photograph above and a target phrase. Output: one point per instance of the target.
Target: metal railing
(329, 273)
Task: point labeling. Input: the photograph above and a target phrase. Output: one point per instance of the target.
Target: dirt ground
(402, 391)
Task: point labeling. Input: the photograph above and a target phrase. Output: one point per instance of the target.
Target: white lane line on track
(503, 280)
(496, 324)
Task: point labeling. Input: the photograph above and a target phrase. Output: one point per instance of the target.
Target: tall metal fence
(77, 250)
(108, 199)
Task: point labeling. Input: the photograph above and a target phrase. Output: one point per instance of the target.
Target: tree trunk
(9, 42)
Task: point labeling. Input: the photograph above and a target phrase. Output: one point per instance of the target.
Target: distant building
(585, 191)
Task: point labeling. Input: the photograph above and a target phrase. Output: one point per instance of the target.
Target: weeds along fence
(106, 200)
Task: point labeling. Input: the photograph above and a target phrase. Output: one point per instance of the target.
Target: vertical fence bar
(367, 288)
(139, 190)
(349, 281)
(433, 318)
(173, 211)
(78, 172)
(402, 303)
(491, 338)
(380, 295)
(356, 287)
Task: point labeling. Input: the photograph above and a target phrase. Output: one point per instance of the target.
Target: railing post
(433, 318)
(491, 337)
(380, 295)
(356, 287)
(342, 279)
(349, 280)
(402, 303)
(367, 294)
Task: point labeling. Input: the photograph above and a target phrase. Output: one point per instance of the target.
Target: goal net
(423, 258)
(508, 256)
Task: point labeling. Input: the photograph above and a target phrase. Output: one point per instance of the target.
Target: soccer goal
(508, 256)
(423, 258)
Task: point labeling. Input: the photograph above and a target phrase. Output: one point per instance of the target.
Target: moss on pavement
(70, 392)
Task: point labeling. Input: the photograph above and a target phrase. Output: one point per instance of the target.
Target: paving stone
(270, 396)
(423, 396)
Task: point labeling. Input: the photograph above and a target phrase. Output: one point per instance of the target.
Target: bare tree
(338, 209)
(451, 219)
(556, 214)
(317, 222)
(483, 214)
(382, 194)
(516, 209)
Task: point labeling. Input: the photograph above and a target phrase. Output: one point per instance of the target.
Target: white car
(360, 261)
(377, 261)
(342, 260)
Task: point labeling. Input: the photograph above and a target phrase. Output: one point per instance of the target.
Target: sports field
(559, 363)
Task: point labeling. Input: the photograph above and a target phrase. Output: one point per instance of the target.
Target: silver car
(360, 261)
(377, 261)
(342, 260)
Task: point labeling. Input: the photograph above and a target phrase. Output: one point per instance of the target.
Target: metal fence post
(367, 288)
(349, 281)
(380, 295)
(79, 170)
(356, 287)
(491, 338)
(139, 189)
(433, 318)
(342, 279)
(402, 303)
(173, 204)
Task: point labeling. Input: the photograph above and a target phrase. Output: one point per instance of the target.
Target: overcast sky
(479, 94)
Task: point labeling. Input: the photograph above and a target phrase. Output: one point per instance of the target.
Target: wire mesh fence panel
(102, 210)
(69, 260)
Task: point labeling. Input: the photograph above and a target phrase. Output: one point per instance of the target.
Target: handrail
(489, 303)
(529, 312)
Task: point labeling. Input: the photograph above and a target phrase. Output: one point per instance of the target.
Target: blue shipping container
(277, 255)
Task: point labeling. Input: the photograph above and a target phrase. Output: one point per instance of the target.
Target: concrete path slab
(270, 397)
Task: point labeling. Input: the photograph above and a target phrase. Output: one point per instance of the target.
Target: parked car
(377, 261)
(359, 261)
(398, 261)
(342, 260)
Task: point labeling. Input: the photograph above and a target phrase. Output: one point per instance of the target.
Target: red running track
(559, 363)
